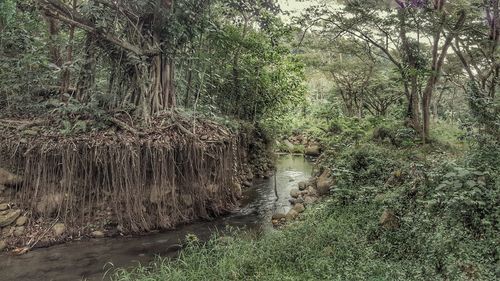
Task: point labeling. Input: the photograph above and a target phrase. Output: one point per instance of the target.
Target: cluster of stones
(263, 170)
(307, 193)
(12, 222)
(312, 148)
(59, 229)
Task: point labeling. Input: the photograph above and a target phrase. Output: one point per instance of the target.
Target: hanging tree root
(156, 179)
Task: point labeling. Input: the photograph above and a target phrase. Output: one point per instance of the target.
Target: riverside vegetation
(160, 112)
(410, 212)
(404, 204)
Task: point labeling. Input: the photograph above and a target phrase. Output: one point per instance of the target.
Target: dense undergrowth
(444, 201)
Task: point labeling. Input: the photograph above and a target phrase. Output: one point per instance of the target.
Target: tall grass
(328, 244)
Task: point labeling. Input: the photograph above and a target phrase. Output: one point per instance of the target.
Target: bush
(447, 208)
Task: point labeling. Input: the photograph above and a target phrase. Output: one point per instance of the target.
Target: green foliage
(24, 64)
(7, 12)
(282, 147)
(467, 195)
(447, 211)
(256, 77)
(483, 130)
(330, 243)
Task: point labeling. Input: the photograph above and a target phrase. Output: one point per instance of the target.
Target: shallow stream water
(91, 259)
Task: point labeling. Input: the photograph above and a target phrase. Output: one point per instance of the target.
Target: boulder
(59, 229)
(324, 183)
(299, 208)
(291, 215)
(8, 178)
(302, 185)
(247, 183)
(49, 203)
(299, 200)
(4, 206)
(21, 221)
(313, 150)
(289, 145)
(7, 231)
(295, 193)
(278, 216)
(310, 200)
(311, 191)
(97, 234)
(3, 245)
(9, 218)
(388, 220)
(19, 231)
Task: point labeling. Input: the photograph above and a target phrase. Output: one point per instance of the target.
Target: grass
(342, 240)
(329, 243)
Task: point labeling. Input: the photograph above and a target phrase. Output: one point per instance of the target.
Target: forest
(197, 124)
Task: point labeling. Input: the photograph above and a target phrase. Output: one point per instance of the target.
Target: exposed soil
(111, 177)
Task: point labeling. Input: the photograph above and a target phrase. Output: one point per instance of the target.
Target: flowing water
(91, 259)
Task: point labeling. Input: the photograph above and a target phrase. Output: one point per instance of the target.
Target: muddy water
(92, 259)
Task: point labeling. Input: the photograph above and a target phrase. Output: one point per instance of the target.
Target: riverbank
(90, 259)
(114, 179)
(402, 211)
(326, 242)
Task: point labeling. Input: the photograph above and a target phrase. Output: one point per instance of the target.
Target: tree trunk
(413, 113)
(188, 86)
(410, 77)
(437, 64)
(54, 51)
(66, 75)
(160, 96)
(87, 73)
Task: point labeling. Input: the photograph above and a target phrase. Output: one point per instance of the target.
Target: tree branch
(60, 11)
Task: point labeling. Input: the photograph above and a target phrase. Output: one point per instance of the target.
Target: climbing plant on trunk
(136, 37)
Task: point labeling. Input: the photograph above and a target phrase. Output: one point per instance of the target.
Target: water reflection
(89, 260)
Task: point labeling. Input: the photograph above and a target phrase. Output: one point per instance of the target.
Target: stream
(92, 259)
